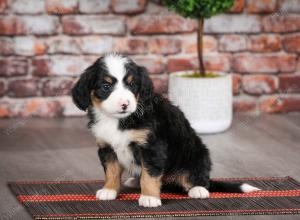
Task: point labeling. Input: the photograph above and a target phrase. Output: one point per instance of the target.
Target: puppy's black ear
(146, 88)
(81, 92)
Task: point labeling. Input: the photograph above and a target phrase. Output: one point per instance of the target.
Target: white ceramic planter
(206, 102)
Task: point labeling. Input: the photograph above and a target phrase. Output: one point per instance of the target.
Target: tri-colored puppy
(142, 132)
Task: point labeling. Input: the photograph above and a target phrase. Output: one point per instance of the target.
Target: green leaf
(198, 8)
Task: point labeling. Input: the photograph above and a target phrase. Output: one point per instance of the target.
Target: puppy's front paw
(149, 201)
(106, 194)
(198, 192)
(132, 182)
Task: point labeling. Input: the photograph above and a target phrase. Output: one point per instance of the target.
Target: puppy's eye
(105, 87)
(132, 85)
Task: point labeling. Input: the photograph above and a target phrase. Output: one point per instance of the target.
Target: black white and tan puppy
(143, 133)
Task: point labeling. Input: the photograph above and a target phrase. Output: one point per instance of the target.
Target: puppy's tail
(216, 186)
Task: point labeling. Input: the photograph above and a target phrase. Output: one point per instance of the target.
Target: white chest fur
(106, 130)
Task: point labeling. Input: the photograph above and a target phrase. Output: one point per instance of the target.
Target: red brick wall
(45, 45)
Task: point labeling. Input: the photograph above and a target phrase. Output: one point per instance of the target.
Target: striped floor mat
(76, 200)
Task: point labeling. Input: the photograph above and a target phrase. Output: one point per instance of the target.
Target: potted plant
(204, 97)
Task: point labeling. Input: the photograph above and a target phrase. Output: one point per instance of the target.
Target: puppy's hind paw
(106, 194)
(149, 201)
(132, 182)
(198, 192)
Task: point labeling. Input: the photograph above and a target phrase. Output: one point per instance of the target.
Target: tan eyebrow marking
(108, 79)
(129, 78)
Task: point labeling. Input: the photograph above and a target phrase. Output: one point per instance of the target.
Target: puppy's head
(115, 85)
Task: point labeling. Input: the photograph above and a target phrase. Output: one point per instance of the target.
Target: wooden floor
(62, 149)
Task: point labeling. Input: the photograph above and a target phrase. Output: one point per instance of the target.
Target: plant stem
(200, 46)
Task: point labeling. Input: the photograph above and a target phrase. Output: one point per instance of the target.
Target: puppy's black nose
(124, 106)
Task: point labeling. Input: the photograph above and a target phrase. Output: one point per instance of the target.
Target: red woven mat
(76, 200)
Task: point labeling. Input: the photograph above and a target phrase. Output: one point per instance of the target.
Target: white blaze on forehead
(116, 66)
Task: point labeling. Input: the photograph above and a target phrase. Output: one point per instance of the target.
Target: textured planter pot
(206, 102)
